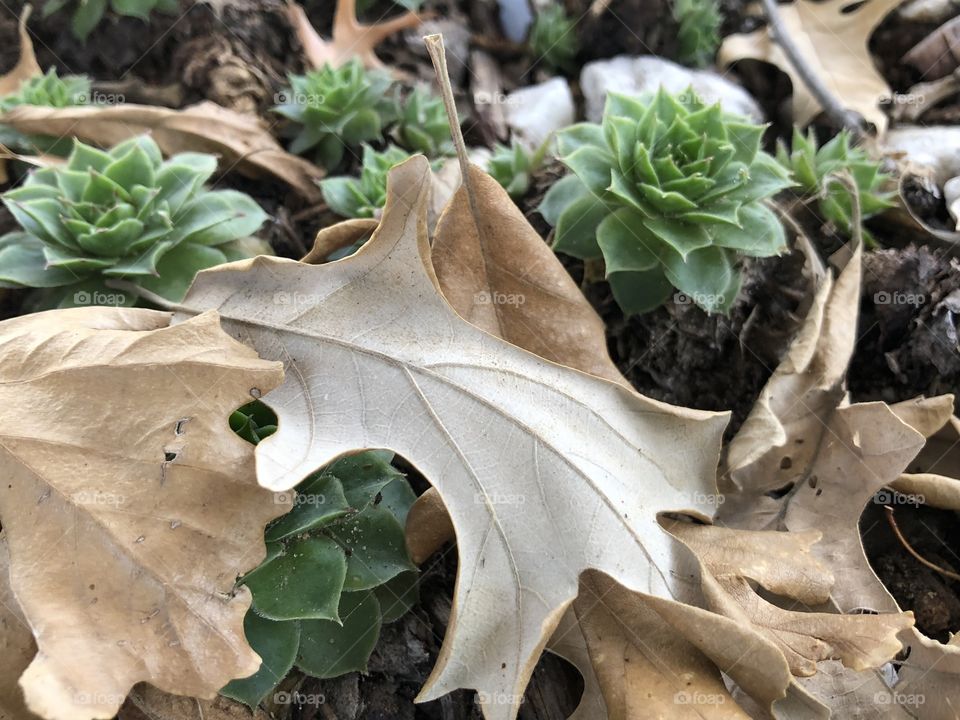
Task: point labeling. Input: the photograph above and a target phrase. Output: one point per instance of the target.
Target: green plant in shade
(812, 167)
(698, 34)
(552, 40)
(49, 90)
(669, 192)
(422, 125)
(336, 107)
(512, 166)
(363, 197)
(123, 214)
(88, 13)
(336, 569)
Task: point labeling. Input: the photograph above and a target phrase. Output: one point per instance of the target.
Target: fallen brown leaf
(27, 65)
(17, 647)
(485, 421)
(351, 38)
(242, 142)
(129, 506)
(832, 37)
(938, 54)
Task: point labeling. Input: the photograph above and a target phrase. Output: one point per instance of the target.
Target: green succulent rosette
(123, 214)
(698, 33)
(336, 107)
(47, 90)
(422, 125)
(365, 196)
(813, 166)
(668, 191)
(553, 40)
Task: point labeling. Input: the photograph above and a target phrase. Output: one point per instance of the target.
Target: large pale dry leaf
(129, 506)
(544, 469)
(351, 38)
(854, 695)
(832, 38)
(27, 65)
(501, 276)
(242, 142)
(17, 647)
(934, 475)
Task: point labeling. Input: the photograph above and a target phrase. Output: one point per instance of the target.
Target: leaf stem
(830, 104)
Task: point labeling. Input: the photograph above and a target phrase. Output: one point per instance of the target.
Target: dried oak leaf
(129, 506)
(832, 38)
(938, 54)
(242, 142)
(17, 647)
(488, 423)
(351, 38)
(27, 65)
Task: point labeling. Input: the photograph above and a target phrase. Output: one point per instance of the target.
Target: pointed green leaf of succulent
(422, 125)
(335, 107)
(553, 40)
(366, 195)
(277, 644)
(108, 214)
(659, 182)
(511, 166)
(698, 34)
(49, 90)
(818, 171)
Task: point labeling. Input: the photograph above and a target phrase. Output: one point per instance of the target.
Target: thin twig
(830, 104)
(903, 541)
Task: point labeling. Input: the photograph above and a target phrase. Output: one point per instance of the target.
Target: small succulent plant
(422, 125)
(812, 167)
(669, 192)
(336, 570)
(336, 107)
(698, 34)
(123, 214)
(512, 166)
(88, 13)
(365, 196)
(49, 90)
(553, 40)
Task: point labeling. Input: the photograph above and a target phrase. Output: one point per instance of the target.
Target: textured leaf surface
(492, 426)
(122, 488)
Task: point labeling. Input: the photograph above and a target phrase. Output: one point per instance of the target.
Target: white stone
(951, 195)
(534, 112)
(637, 75)
(936, 147)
